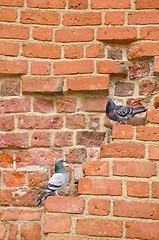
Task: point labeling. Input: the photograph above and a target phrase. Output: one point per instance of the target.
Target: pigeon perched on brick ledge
(121, 113)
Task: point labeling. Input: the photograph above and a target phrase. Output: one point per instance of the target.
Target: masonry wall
(59, 61)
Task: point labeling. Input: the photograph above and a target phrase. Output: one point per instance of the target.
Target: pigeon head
(59, 167)
(110, 103)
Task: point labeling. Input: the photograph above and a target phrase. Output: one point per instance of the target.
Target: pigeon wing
(123, 111)
(56, 181)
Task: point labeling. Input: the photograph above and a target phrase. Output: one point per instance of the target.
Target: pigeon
(121, 113)
(57, 182)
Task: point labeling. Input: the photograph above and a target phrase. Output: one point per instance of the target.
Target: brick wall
(59, 60)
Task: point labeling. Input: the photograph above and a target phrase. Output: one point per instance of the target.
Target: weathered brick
(99, 207)
(14, 3)
(95, 51)
(6, 160)
(99, 227)
(75, 121)
(40, 122)
(15, 32)
(13, 67)
(146, 4)
(110, 66)
(114, 53)
(149, 33)
(134, 169)
(14, 179)
(146, 49)
(155, 187)
(137, 189)
(114, 18)
(37, 179)
(122, 150)
(156, 102)
(77, 4)
(100, 4)
(82, 84)
(10, 88)
(40, 68)
(105, 187)
(43, 105)
(124, 89)
(14, 140)
(3, 230)
(90, 139)
(42, 85)
(6, 122)
(134, 102)
(73, 51)
(9, 49)
(66, 104)
(41, 139)
(31, 231)
(43, 34)
(82, 19)
(153, 116)
(137, 71)
(8, 214)
(63, 139)
(75, 67)
(8, 15)
(117, 35)
(156, 65)
(144, 17)
(63, 238)
(122, 131)
(41, 50)
(147, 133)
(57, 224)
(93, 104)
(74, 35)
(76, 155)
(13, 231)
(12, 105)
(94, 154)
(96, 168)
(154, 152)
(94, 123)
(46, 4)
(147, 87)
(64, 204)
(142, 230)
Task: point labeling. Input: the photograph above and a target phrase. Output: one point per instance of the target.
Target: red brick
(90, 139)
(43, 34)
(22, 215)
(114, 18)
(149, 33)
(74, 35)
(14, 3)
(75, 121)
(46, 4)
(15, 32)
(57, 224)
(99, 207)
(137, 189)
(134, 102)
(41, 50)
(13, 231)
(64, 204)
(122, 150)
(43, 105)
(95, 51)
(94, 83)
(153, 116)
(41, 139)
(147, 87)
(73, 67)
(42, 85)
(37, 157)
(142, 230)
(31, 231)
(66, 104)
(10, 88)
(6, 122)
(40, 68)
(99, 227)
(96, 168)
(63, 238)
(76, 155)
(12, 105)
(110, 66)
(100, 4)
(94, 123)
(154, 152)
(122, 131)
(13, 67)
(40, 122)
(73, 52)
(145, 17)
(147, 133)
(8, 15)
(117, 35)
(6, 160)
(14, 179)
(140, 50)
(137, 71)
(99, 187)
(82, 19)
(134, 169)
(155, 187)
(136, 209)
(156, 102)
(146, 4)
(63, 139)
(93, 104)
(3, 230)
(156, 65)
(77, 4)
(14, 140)
(37, 179)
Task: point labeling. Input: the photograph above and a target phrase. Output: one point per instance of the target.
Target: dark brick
(114, 53)
(90, 138)
(123, 89)
(10, 88)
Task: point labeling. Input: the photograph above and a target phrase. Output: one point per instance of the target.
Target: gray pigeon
(121, 113)
(57, 182)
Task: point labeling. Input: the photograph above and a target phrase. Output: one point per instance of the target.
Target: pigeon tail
(139, 110)
(42, 197)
